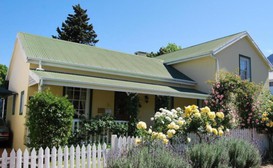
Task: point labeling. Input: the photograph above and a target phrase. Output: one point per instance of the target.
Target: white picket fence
(95, 156)
(80, 157)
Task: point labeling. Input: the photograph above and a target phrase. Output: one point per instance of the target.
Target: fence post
(113, 142)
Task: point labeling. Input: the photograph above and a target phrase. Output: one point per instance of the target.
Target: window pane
(245, 68)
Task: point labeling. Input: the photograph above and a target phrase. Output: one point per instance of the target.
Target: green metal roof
(74, 54)
(62, 79)
(203, 49)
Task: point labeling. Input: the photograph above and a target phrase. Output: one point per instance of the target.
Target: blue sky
(141, 25)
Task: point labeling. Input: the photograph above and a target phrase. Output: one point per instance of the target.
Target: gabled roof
(54, 52)
(209, 48)
(199, 50)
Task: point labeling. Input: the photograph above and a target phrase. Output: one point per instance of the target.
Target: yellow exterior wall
(229, 60)
(18, 76)
(102, 99)
(146, 111)
(182, 102)
(56, 90)
(200, 70)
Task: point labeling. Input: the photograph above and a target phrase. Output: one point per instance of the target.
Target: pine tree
(77, 29)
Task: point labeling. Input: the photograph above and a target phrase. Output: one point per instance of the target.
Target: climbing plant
(239, 100)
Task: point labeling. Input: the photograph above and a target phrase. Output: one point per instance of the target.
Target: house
(96, 80)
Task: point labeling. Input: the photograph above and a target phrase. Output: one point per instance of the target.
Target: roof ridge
(243, 32)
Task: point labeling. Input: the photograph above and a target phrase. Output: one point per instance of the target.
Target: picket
(19, 159)
(12, 159)
(26, 159)
(47, 158)
(4, 159)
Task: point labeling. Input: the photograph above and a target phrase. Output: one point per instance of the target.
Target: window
(78, 97)
(245, 68)
(13, 104)
(22, 103)
(270, 84)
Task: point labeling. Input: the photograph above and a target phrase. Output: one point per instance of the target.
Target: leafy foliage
(3, 73)
(49, 120)
(171, 47)
(96, 126)
(77, 29)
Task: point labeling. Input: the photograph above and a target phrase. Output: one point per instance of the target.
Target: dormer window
(245, 67)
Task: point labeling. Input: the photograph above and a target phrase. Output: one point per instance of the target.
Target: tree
(49, 120)
(171, 47)
(3, 73)
(77, 29)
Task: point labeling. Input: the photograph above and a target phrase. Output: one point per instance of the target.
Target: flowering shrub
(192, 119)
(240, 100)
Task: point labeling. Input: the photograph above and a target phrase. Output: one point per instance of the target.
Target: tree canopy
(171, 47)
(77, 29)
(3, 73)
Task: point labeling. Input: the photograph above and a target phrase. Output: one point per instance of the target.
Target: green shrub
(241, 153)
(49, 120)
(229, 152)
(96, 126)
(207, 156)
(147, 156)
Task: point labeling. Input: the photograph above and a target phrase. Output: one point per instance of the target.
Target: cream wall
(229, 60)
(200, 70)
(18, 76)
(102, 99)
(182, 102)
(147, 110)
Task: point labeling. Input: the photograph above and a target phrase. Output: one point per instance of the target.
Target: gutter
(115, 72)
(62, 82)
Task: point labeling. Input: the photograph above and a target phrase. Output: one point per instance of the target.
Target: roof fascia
(109, 87)
(118, 73)
(188, 59)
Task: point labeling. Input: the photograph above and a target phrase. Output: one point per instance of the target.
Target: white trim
(110, 72)
(35, 78)
(109, 87)
(188, 59)
(229, 43)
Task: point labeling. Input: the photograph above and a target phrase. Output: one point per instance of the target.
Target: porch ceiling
(71, 80)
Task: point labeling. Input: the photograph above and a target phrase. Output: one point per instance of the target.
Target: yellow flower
(171, 125)
(150, 131)
(211, 115)
(188, 110)
(141, 125)
(220, 115)
(165, 141)
(265, 114)
(264, 119)
(154, 134)
(176, 127)
(270, 124)
(161, 136)
(197, 115)
(188, 139)
(137, 141)
(220, 132)
(194, 107)
(214, 130)
(170, 133)
(180, 122)
(195, 111)
(208, 128)
(205, 109)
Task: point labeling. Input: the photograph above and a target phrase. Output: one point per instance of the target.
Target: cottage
(96, 80)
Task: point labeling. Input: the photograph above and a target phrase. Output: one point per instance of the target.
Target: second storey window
(245, 68)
